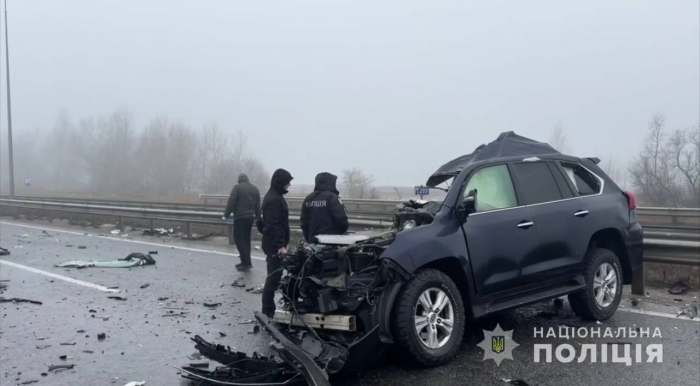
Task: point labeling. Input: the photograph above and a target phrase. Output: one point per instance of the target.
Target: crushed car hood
(507, 144)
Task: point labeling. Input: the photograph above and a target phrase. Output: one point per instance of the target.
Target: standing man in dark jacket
(322, 212)
(244, 203)
(274, 226)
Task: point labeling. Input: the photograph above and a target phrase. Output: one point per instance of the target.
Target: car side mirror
(468, 205)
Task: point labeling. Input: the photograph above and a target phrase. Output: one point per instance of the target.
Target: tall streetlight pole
(9, 111)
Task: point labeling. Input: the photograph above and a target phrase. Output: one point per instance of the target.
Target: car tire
(421, 329)
(603, 274)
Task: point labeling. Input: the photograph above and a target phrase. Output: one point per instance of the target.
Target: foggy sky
(394, 88)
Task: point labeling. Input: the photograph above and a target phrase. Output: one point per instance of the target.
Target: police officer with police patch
(322, 212)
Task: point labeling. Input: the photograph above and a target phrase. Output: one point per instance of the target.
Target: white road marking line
(128, 241)
(661, 314)
(59, 277)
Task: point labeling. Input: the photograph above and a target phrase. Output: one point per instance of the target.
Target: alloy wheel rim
(434, 318)
(605, 285)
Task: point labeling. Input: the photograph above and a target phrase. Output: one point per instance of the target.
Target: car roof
(507, 146)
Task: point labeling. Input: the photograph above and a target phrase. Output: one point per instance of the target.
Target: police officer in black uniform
(322, 212)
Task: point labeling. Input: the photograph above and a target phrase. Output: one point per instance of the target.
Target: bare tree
(558, 139)
(398, 193)
(666, 172)
(357, 184)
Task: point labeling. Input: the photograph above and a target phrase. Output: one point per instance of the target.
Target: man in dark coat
(244, 204)
(322, 212)
(274, 227)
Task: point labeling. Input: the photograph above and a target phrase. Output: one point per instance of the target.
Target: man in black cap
(322, 212)
(274, 227)
(244, 204)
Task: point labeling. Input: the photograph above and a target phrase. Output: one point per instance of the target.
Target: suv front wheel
(603, 292)
(428, 318)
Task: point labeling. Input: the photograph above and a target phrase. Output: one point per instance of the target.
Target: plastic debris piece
(134, 383)
(115, 232)
(82, 247)
(43, 346)
(144, 286)
(211, 305)
(61, 367)
(680, 287)
(117, 298)
(101, 336)
(68, 344)
(240, 282)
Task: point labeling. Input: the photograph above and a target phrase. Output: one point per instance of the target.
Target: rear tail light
(632, 199)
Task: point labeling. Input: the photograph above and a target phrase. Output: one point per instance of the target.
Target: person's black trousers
(242, 229)
(272, 283)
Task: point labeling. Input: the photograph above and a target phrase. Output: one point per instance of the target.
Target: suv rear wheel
(428, 318)
(603, 292)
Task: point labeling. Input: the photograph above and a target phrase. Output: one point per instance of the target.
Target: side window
(494, 188)
(584, 182)
(537, 183)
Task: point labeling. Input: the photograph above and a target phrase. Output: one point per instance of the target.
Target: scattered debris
(43, 346)
(144, 286)
(68, 344)
(134, 383)
(691, 311)
(257, 248)
(47, 234)
(4, 252)
(82, 247)
(115, 232)
(516, 382)
(240, 368)
(635, 302)
(63, 357)
(256, 329)
(117, 298)
(240, 282)
(680, 287)
(29, 382)
(18, 300)
(80, 331)
(158, 232)
(162, 299)
(249, 321)
(152, 252)
(255, 290)
(677, 300)
(61, 367)
(101, 336)
(88, 351)
(195, 236)
(200, 364)
(133, 260)
(211, 305)
(25, 236)
(195, 356)
(222, 334)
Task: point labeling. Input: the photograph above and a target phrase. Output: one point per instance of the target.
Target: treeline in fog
(113, 155)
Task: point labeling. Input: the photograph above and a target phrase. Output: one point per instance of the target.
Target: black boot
(243, 267)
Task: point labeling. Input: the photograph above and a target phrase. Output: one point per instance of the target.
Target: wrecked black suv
(521, 223)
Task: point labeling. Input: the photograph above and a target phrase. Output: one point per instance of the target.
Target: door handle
(525, 224)
(581, 213)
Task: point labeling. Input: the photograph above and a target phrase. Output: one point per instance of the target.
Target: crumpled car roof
(507, 144)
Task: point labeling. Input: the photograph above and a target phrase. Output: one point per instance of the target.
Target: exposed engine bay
(329, 321)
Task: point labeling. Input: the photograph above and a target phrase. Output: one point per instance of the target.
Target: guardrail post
(152, 224)
(638, 281)
(188, 230)
(120, 223)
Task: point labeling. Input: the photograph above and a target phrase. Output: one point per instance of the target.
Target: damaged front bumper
(304, 359)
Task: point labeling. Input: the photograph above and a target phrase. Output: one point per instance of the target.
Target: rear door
(560, 225)
(501, 234)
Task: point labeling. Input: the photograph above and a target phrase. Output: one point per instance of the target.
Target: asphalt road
(143, 344)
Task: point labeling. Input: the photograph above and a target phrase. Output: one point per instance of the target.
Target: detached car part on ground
(520, 224)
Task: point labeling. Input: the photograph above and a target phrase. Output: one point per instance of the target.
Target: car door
(500, 235)
(548, 197)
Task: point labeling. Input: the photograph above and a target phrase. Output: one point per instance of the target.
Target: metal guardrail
(663, 243)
